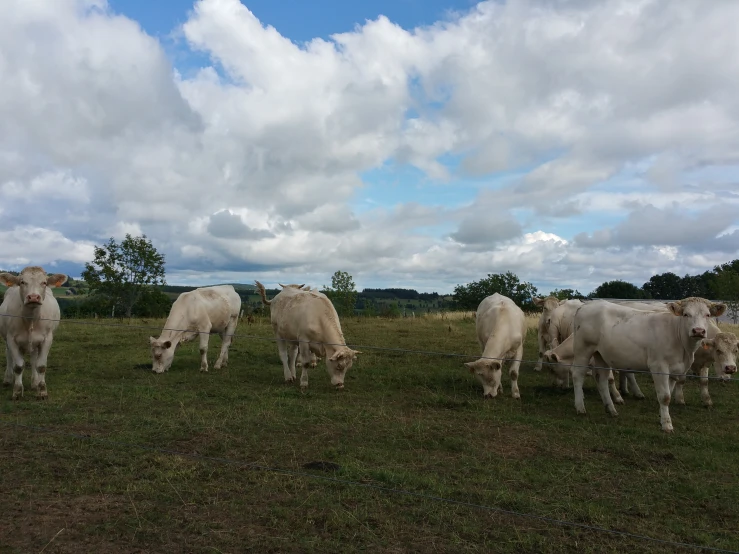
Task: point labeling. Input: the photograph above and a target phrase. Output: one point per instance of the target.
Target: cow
(29, 315)
(548, 305)
(555, 328)
(501, 330)
(719, 349)
(561, 359)
(306, 325)
(198, 313)
(663, 343)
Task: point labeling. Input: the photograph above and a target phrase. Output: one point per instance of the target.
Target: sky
(412, 143)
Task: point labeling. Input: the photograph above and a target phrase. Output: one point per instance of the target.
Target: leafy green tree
(619, 289)
(566, 294)
(665, 286)
(343, 293)
(122, 272)
(726, 289)
(468, 297)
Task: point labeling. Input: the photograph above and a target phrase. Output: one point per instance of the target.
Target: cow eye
(719, 352)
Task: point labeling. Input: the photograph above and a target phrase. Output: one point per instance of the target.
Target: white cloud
(618, 107)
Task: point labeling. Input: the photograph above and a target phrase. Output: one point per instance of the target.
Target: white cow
(29, 315)
(306, 324)
(562, 357)
(719, 349)
(198, 313)
(501, 330)
(622, 337)
(548, 305)
(556, 327)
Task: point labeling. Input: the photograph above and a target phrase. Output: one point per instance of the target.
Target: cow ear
(708, 344)
(9, 280)
(717, 310)
(56, 280)
(538, 301)
(495, 365)
(152, 340)
(167, 344)
(675, 307)
(470, 366)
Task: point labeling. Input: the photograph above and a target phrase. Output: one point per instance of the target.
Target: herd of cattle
(667, 340)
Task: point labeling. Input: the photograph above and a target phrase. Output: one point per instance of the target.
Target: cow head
(694, 313)
(488, 372)
(559, 366)
(162, 354)
(339, 363)
(724, 348)
(33, 283)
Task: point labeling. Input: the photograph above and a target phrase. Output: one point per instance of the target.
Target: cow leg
(537, 367)
(661, 378)
(604, 380)
(34, 365)
(513, 372)
(676, 387)
(282, 347)
(705, 397)
(615, 395)
(629, 384)
(305, 359)
(18, 363)
(8, 380)
(226, 339)
(623, 384)
(40, 373)
(204, 336)
(293, 351)
(580, 366)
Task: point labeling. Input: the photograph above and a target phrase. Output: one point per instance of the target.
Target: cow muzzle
(698, 332)
(729, 369)
(33, 299)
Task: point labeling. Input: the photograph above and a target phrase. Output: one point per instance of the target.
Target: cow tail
(263, 293)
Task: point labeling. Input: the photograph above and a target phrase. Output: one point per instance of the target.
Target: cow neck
(494, 346)
(174, 329)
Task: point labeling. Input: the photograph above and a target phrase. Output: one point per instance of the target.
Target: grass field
(408, 421)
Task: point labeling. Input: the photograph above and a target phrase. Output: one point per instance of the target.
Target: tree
(342, 293)
(566, 294)
(726, 288)
(666, 286)
(468, 297)
(619, 289)
(123, 272)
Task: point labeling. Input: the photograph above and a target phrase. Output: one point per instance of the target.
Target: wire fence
(687, 375)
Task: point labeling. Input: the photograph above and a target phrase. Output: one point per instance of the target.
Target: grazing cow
(306, 325)
(556, 327)
(501, 330)
(548, 305)
(198, 313)
(622, 337)
(719, 349)
(29, 315)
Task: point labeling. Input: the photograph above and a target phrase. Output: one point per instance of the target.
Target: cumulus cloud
(559, 113)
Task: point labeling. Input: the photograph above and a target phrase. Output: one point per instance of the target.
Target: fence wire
(687, 375)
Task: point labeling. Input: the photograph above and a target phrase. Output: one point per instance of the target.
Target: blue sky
(299, 20)
(521, 125)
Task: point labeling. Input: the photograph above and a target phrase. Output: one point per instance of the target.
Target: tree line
(128, 278)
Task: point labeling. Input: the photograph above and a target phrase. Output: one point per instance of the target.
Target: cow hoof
(668, 430)
(340, 386)
(17, 395)
(708, 405)
(7, 383)
(516, 395)
(42, 395)
(290, 380)
(618, 401)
